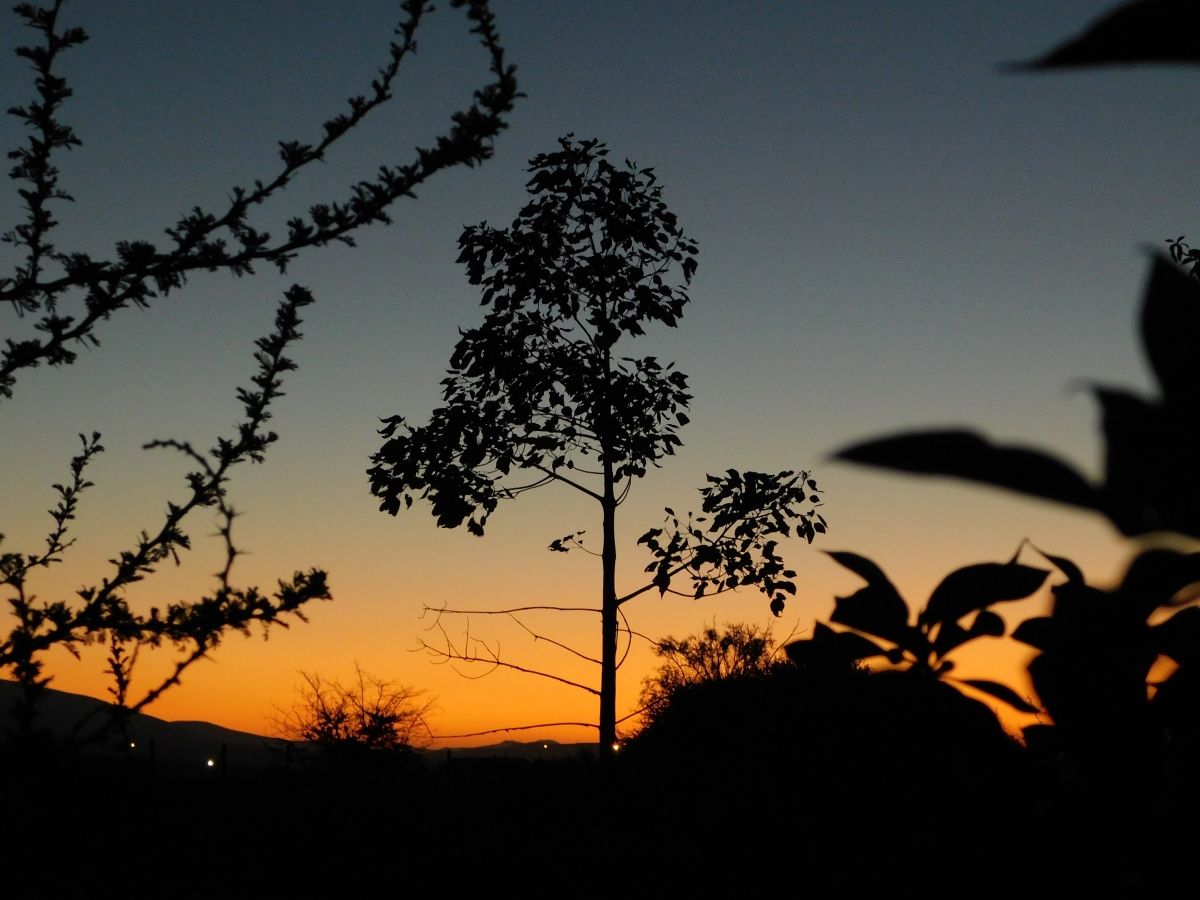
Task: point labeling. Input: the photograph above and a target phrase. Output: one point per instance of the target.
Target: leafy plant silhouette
(1098, 649)
(539, 390)
(878, 610)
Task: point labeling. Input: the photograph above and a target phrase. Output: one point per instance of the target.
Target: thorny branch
(195, 628)
(204, 240)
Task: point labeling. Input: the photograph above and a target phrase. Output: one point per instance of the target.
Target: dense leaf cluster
(593, 257)
(735, 543)
(1098, 649)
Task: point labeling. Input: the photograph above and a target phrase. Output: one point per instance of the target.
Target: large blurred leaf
(1170, 329)
(830, 647)
(876, 609)
(1151, 465)
(1138, 495)
(975, 587)
(965, 454)
(1037, 632)
(1145, 31)
(1000, 692)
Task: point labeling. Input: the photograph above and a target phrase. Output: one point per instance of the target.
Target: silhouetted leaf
(1000, 692)
(876, 609)
(827, 646)
(1036, 632)
(979, 586)
(1065, 566)
(964, 454)
(987, 624)
(1144, 31)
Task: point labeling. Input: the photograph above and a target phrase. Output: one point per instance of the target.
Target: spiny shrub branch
(140, 270)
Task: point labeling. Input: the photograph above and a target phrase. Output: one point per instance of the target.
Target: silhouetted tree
(47, 279)
(540, 389)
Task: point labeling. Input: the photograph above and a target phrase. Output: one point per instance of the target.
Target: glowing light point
(211, 763)
(616, 747)
(132, 744)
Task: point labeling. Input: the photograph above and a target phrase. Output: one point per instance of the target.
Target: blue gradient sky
(892, 232)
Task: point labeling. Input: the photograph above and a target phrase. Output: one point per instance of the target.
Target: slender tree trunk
(608, 560)
(608, 654)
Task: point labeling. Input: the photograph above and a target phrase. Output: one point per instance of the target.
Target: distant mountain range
(176, 744)
(198, 746)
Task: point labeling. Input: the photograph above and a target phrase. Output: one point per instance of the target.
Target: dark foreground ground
(789, 786)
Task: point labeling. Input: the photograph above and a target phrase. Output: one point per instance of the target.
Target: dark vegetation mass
(850, 761)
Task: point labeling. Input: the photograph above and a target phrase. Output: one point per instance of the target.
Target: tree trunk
(608, 654)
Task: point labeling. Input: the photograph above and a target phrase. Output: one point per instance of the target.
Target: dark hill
(188, 745)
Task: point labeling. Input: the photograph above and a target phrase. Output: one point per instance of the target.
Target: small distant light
(211, 763)
(132, 744)
(616, 747)
(545, 746)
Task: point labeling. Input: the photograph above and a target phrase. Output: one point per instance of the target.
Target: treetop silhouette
(587, 262)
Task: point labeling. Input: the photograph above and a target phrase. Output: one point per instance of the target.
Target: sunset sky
(893, 232)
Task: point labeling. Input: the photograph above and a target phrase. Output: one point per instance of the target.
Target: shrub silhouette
(712, 655)
(346, 722)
